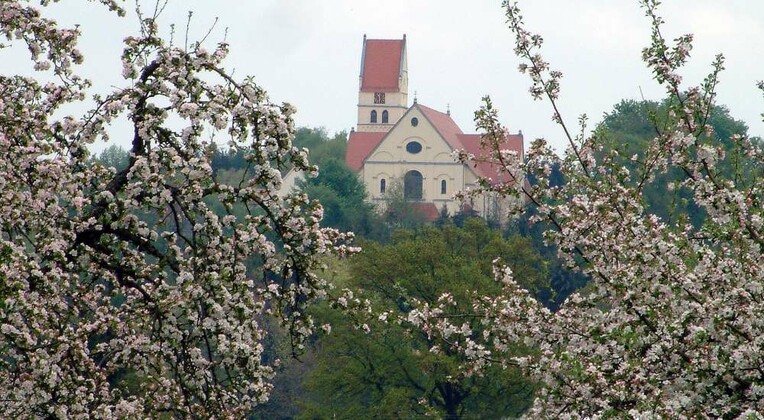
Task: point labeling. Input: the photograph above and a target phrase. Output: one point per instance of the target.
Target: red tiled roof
(427, 210)
(381, 66)
(360, 144)
(444, 125)
(471, 143)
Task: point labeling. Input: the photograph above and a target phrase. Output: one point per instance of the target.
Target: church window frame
(382, 185)
(379, 97)
(385, 117)
(414, 147)
(443, 186)
(373, 116)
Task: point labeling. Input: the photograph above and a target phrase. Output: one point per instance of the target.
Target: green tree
(630, 128)
(322, 147)
(341, 179)
(310, 138)
(562, 280)
(114, 157)
(383, 367)
(228, 159)
(343, 197)
(398, 212)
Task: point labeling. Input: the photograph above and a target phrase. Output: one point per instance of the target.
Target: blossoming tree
(121, 292)
(672, 323)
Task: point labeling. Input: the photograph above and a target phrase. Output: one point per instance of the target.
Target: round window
(414, 147)
(414, 121)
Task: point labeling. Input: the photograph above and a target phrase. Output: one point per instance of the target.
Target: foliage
(123, 293)
(322, 148)
(343, 197)
(628, 130)
(563, 280)
(380, 367)
(671, 324)
(229, 159)
(398, 212)
(114, 157)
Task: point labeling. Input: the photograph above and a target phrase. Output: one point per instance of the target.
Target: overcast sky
(307, 52)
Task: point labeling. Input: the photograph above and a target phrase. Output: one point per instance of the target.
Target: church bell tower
(383, 85)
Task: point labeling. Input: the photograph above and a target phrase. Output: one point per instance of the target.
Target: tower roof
(382, 64)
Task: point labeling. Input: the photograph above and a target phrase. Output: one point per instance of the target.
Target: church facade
(395, 145)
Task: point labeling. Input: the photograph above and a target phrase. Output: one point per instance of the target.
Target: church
(411, 147)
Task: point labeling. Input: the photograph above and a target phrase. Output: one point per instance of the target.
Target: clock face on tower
(379, 97)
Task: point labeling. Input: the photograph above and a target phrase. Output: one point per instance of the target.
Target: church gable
(417, 153)
(415, 138)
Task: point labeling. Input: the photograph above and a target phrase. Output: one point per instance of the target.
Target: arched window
(373, 117)
(384, 117)
(382, 185)
(412, 185)
(443, 186)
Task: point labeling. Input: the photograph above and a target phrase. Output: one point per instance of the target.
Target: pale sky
(307, 52)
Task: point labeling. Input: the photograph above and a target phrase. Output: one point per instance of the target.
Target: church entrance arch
(412, 186)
